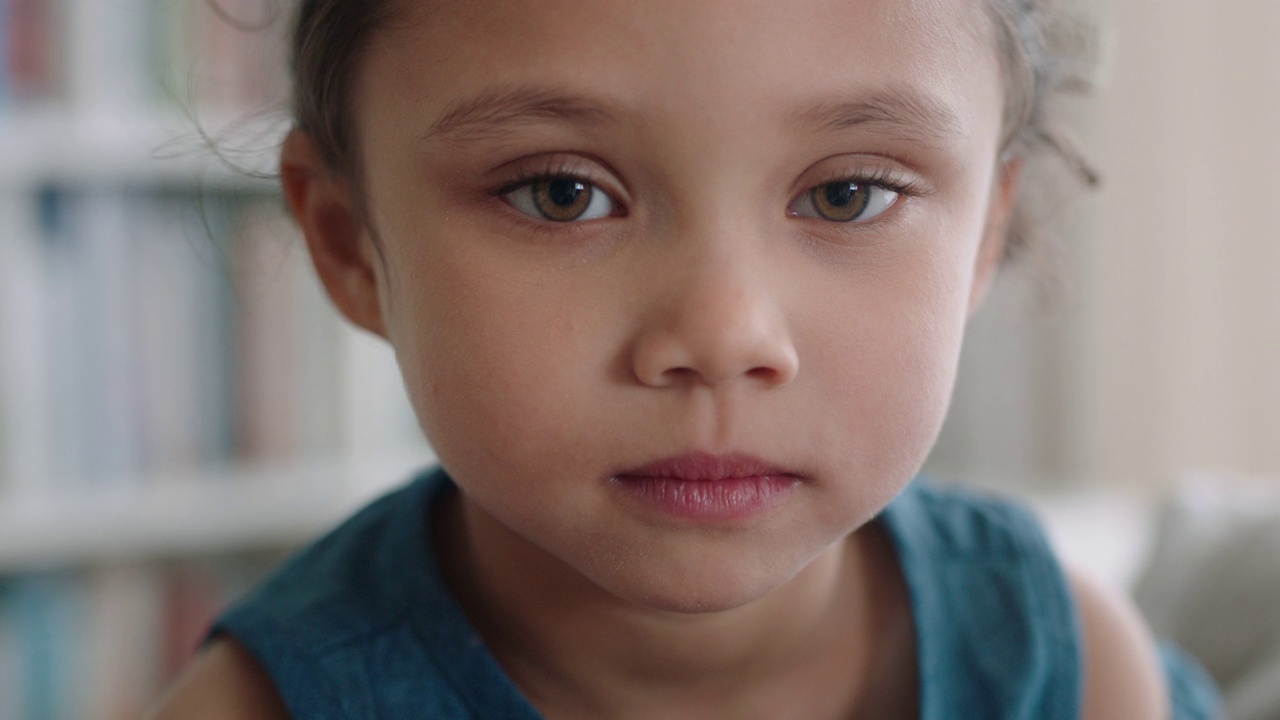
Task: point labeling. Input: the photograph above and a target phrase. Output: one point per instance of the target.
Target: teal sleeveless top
(360, 624)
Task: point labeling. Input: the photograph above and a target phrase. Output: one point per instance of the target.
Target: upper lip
(705, 466)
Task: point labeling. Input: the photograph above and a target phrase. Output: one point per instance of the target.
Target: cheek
(883, 362)
(493, 367)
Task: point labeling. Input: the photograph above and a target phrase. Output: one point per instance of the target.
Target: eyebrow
(913, 115)
(492, 110)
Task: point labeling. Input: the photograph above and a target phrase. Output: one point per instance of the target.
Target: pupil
(841, 194)
(565, 192)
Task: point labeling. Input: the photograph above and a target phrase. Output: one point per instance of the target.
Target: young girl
(677, 290)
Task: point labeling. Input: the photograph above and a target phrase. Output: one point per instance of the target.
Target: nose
(713, 321)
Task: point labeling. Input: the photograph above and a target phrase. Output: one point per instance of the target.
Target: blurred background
(1158, 353)
(179, 406)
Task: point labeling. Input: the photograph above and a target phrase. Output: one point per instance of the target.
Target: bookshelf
(179, 405)
(49, 146)
(207, 511)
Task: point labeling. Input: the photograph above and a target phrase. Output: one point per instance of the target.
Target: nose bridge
(718, 293)
(717, 314)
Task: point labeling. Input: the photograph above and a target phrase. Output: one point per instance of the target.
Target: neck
(577, 649)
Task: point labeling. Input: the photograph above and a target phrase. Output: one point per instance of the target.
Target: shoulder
(365, 594)
(962, 522)
(1122, 675)
(225, 682)
(998, 625)
(981, 538)
(348, 584)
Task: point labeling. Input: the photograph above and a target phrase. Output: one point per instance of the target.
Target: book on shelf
(29, 44)
(112, 72)
(47, 615)
(182, 331)
(144, 334)
(123, 641)
(101, 645)
(25, 449)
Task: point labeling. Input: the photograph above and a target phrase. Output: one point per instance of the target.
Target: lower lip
(709, 500)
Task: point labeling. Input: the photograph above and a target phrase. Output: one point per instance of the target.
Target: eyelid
(523, 171)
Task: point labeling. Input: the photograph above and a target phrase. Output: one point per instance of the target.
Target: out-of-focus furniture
(1203, 565)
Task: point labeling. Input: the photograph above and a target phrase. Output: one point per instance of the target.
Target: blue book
(104, 374)
(49, 615)
(12, 666)
(62, 255)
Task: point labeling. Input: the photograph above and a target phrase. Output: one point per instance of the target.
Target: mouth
(707, 487)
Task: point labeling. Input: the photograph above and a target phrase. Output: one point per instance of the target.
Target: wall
(1161, 353)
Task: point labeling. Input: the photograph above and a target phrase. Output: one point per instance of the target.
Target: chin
(696, 603)
(698, 590)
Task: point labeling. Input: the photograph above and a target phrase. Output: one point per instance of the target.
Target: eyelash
(552, 170)
(882, 178)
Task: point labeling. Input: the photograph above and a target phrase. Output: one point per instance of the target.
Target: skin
(707, 310)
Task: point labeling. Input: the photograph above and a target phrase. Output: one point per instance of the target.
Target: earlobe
(325, 208)
(1004, 196)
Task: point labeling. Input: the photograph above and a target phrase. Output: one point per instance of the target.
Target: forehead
(692, 60)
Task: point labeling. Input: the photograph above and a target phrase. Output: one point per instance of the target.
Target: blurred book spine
(108, 57)
(146, 334)
(48, 613)
(87, 646)
(30, 45)
(25, 416)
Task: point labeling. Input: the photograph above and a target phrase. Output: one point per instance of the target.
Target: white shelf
(52, 145)
(199, 514)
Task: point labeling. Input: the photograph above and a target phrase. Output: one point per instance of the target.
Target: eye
(560, 199)
(845, 201)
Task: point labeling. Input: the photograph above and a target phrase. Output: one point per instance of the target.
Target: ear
(325, 207)
(1004, 195)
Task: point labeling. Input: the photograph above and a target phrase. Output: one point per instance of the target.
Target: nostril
(681, 374)
(766, 374)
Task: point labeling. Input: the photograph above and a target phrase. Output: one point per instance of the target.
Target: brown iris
(842, 201)
(561, 199)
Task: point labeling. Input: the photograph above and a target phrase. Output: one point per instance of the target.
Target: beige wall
(1164, 353)
(1184, 274)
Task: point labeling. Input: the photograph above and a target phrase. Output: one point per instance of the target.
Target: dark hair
(1046, 52)
(329, 39)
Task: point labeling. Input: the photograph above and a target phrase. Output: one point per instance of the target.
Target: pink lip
(702, 486)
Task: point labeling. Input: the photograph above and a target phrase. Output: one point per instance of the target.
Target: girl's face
(614, 233)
